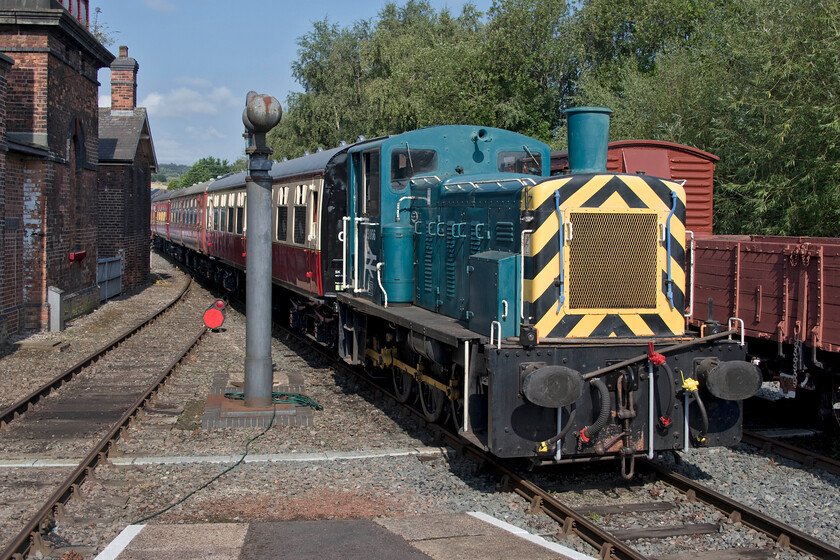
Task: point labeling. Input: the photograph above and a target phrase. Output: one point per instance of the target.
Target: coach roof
(302, 166)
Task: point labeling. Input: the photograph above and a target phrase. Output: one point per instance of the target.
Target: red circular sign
(213, 318)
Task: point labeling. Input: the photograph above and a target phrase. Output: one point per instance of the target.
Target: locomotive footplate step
(446, 536)
(439, 326)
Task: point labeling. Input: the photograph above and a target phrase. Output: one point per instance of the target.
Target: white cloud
(204, 132)
(186, 102)
(104, 100)
(159, 5)
(191, 81)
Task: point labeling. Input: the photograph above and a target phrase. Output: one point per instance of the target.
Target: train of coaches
(544, 316)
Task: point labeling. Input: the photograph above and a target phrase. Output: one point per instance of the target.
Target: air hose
(693, 387)
(564, 431)
(296, 399)
(701, 437)
(589, 432)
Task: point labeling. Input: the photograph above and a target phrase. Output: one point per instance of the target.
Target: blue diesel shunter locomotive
(544, 316)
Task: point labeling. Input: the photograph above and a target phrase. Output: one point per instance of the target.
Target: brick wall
(3, 69)
(125, 190)
(11, 293)
(26, 102)
(51, 101)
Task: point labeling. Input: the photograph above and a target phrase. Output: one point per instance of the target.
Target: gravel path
(292, 476)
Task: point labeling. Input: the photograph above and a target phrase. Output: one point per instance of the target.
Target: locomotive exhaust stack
(588, 131)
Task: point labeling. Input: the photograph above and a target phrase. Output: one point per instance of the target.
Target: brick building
(50, 204)
(126, 163)
(5, 65)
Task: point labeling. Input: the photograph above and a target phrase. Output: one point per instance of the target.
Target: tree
(413, 67)
(754, 82)
(203, 170)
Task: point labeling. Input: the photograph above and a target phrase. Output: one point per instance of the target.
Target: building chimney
(124, 82)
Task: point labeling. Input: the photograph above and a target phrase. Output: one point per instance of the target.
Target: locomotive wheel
(456, 414)
(403, 384)
(432, 400)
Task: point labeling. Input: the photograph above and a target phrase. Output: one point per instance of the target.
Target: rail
(30, 537)
(782, 533)
(20, 407)
(807, 458)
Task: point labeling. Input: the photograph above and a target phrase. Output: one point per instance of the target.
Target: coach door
(365, 248)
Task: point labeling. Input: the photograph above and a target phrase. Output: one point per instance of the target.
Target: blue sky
(198, 59)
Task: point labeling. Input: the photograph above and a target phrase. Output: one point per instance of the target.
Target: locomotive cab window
(408, 162)
(370, 183)
(520, 162)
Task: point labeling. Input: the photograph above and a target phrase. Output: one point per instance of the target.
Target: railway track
(732, 515)
(788, 451)
(587, 521)
(83, 411)
(20, 407)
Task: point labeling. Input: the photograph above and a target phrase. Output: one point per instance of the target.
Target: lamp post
(261, 114)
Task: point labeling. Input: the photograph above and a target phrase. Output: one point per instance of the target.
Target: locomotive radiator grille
(613, 261)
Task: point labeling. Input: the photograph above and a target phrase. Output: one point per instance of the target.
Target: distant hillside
(167, 171)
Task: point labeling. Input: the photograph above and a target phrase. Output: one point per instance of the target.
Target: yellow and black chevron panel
(609, 233)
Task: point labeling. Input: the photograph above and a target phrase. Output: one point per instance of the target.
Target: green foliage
(411, 68)
(203, 170)
(752, 81)
(172, 169)
(755, 83)
(524, 53)
(101, 30)
(778, 127)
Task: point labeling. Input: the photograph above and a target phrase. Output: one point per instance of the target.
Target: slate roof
(120, 133)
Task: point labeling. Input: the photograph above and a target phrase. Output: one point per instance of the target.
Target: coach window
(231, 212)
(223, 212)
(282, 213)
(370, 180)
(408, 162)
(299, 233)
(313, 212)
(240, 213)
(217, 210)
